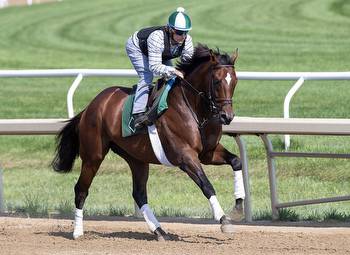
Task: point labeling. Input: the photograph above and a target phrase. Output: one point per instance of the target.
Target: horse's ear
(212, 57)
(234, 55)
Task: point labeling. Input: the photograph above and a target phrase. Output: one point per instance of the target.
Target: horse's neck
(196, 106)
(183, 103)
(197, 103)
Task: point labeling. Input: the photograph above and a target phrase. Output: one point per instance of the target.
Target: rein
(214, 109)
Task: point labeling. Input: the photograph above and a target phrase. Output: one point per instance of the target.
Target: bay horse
(189, 130)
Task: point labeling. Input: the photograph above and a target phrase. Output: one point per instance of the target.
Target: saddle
(153, 100)
(156, 105)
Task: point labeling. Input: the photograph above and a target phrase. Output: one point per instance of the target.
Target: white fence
(299, 77)
(239, 126)
(302, 126)
(3, 3)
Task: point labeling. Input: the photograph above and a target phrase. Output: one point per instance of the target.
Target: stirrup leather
(140, 120)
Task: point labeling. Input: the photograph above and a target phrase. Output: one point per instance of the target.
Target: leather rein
(209, 99)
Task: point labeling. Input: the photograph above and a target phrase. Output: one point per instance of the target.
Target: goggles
(179, 32)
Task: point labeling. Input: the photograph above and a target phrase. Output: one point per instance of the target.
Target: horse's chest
(210, 141)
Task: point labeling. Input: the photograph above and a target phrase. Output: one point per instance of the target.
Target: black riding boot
(140, 120)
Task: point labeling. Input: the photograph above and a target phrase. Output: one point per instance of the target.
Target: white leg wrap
(238, 185)
(215, 206)
(78, 223)
(151, 220)
(137, 212)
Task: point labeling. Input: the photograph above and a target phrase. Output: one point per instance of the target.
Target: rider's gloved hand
(179, 73)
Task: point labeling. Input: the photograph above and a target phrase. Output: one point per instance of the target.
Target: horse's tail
(67, 146)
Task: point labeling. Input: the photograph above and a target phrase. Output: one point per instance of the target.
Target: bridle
(214, 103)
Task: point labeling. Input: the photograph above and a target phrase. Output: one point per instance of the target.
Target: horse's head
(223, 84)
(213, 75)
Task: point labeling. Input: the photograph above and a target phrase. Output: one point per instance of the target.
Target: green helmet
(179, 20)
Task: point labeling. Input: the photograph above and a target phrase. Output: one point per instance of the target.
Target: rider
(151, 50)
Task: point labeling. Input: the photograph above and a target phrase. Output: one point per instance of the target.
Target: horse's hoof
(161, 235)
(237, 214)
(227, 228)
(226, 225)
(77, 236)
(78, 232)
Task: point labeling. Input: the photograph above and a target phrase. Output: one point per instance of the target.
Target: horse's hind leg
(140, 172)
(81, 190)
(92, 153)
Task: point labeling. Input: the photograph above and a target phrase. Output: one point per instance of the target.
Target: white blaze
(228, 78)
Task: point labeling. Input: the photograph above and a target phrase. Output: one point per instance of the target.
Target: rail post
(2, 207)
(286, 103)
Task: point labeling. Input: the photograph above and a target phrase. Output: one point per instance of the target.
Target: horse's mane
(200, 55)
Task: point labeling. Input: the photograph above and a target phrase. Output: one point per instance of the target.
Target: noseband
(213, 102)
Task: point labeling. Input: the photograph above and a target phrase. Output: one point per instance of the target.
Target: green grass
(271, 36)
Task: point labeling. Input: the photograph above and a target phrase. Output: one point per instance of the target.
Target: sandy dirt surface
(127, 236)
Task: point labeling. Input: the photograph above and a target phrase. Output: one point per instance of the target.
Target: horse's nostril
(226, 118)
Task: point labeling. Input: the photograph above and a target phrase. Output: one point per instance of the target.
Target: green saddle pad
(127, 119)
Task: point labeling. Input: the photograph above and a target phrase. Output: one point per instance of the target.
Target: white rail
(302, 126)
(80, 73)
(286, 104)
(300, 77)
(2, 206)
(6, 3)
(31, 126)
(3, 3)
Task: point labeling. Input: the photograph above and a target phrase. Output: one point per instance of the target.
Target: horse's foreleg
(140, 172)
(194, 169)
(221, 156)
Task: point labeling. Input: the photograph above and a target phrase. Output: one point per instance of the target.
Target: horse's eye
(217, 82)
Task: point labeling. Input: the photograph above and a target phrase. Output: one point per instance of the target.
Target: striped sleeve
(187, 52)
(155, 44)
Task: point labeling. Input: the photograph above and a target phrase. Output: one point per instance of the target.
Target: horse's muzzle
(226, 118)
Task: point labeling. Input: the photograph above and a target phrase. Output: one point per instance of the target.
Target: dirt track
(52, 236)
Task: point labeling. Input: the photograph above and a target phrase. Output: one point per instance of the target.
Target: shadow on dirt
(88, 235)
